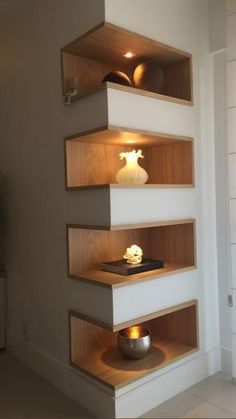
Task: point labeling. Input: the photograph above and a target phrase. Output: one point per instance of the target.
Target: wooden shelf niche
(92, 158)
(89, 246)
(93, 348)
(101, 50)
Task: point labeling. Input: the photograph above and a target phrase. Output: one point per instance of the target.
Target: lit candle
(134, 342)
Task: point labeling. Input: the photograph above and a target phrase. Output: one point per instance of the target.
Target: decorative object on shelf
(117, 77)
(74, 91)
(133, 263)
(133, 254)
(121, 267)
(134, 342)
(132, 173)
(149, 76)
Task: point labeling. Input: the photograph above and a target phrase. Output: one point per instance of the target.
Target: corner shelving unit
(101, 50)
(92, 158)
(89, 246)
(91, 162)
(174, 336)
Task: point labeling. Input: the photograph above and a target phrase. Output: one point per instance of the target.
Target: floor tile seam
(213, 404)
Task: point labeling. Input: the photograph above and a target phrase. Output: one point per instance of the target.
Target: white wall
(217, 41)
(216, 25)
(231, 149)
(222, 206)
(183, 24)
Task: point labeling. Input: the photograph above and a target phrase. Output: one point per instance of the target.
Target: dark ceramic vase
(117, 77)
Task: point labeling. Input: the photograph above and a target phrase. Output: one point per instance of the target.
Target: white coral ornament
(133, 254)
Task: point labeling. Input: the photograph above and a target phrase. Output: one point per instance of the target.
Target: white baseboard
(226, 361)
(171, 383)
(62, 376)
(136, 400)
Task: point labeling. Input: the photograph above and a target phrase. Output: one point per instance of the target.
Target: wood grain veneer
(138, 320)
(111, 280)
(92, 157)
(101, 50)
(88, 248)
(174, 334)
(130, 226)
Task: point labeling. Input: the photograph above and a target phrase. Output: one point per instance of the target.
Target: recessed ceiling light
(129, 54)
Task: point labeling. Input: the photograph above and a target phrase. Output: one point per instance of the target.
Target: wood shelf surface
(111, 280)
(114, 134)
(137, 320)
(134, 91)
(109, 367)
(93, 346)
(107, 36)
(102, 50)
(117, 227)
(119, 186)
(92, 158)
(172, 241)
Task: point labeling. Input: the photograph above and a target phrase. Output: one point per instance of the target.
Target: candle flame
(134, 332)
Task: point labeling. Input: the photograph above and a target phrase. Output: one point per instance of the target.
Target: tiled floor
(214, 397)
(23, 394)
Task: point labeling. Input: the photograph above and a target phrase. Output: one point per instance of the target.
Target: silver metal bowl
(137, 347)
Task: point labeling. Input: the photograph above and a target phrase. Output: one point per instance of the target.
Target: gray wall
(33, 123)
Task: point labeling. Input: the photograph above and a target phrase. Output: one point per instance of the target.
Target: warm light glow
(134, 332)
(133, 254)
(129, 54)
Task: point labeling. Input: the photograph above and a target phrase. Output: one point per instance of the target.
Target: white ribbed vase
(132, 173)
